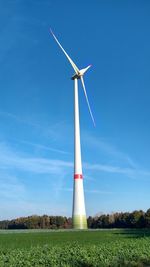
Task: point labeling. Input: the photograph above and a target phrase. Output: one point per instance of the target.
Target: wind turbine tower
(78, 211)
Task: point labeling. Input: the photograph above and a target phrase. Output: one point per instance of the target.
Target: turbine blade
(82, 81)
(70, 60)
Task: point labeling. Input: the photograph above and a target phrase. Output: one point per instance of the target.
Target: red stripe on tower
(78, 176)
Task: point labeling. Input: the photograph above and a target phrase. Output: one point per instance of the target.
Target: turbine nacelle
(80, 73)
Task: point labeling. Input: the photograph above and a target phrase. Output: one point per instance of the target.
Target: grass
(106, 248)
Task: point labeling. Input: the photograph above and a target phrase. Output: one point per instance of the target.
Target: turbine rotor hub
(76, 76)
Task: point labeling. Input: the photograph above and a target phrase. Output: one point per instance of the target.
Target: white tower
(78, 213)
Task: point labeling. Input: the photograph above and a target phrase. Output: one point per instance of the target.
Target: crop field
(116, 248)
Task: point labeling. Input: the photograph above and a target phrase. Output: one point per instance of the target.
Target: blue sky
(36, 105)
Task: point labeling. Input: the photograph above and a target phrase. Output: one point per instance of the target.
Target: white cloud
(38, 165)
(11, 187)
(17, 118)
(102, 145)
(53, 166)
(53, 131)
(134, 173)
(14, 194)
(39, 146)
(9, 159)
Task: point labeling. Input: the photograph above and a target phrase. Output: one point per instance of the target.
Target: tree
(147, 218)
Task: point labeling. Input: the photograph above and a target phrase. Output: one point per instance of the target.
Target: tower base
(79, 222)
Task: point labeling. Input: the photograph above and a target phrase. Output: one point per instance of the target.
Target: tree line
(135, 219)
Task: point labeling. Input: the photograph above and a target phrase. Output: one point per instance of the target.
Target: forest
(135, 219)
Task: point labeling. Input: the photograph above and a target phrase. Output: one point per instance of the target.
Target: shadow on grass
(134, 233)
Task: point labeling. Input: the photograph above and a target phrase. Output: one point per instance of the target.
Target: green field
(75, 248)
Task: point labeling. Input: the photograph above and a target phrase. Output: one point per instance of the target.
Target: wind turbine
(78, 212)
